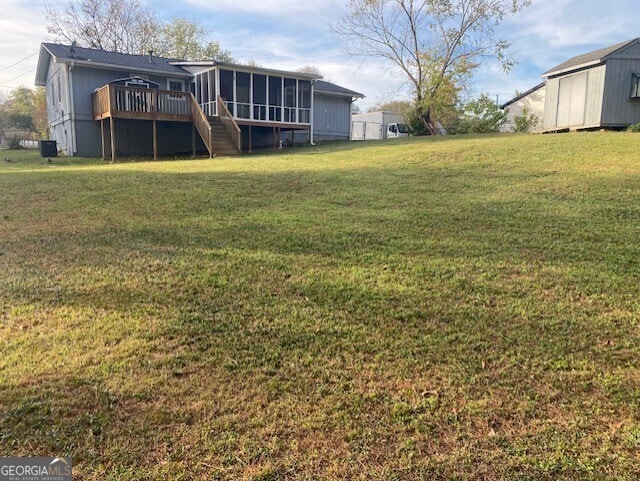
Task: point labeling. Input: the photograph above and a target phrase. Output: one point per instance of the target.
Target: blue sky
(287, 35)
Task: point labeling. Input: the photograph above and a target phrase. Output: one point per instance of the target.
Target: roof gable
(596, 57)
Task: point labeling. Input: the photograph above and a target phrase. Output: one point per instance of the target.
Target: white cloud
(286, 10)
(21, 33)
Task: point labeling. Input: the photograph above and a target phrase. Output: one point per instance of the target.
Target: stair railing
(202, 124)
(230, 124)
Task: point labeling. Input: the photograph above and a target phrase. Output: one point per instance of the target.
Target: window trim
(635, 86)
(180, 81)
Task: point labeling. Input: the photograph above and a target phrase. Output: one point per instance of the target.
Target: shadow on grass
(360, 308)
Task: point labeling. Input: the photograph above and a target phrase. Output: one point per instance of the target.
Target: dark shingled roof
(115, 59)
(591, 58)
(328, 87)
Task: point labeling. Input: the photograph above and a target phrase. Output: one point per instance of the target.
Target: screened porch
(256, 96)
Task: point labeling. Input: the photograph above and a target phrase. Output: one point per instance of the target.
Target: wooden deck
(114, 101)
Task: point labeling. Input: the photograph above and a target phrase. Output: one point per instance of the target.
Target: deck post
(250, 139)
(274, 138)
(113, 139)
(155, 140)
(104, 147)
(193, 139)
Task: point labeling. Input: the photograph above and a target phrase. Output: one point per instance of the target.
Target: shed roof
(588, 59)
(333, 89)
(522, 95)
(104, 59)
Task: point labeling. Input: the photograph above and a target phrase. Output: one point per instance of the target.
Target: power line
(15, 78)
(19, 61)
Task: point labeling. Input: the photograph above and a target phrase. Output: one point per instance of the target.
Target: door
(572, 100)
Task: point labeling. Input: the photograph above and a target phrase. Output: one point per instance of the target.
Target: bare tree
(435, 44)
(116, 25)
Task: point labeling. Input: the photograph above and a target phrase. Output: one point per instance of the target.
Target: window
(59, 90)
(635, 86)
(176, 85)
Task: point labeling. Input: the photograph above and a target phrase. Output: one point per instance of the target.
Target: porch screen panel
(290, 95)
(304, 101)
(259, 97)
(243, 94)
(212, 85)
(204, 89)
(226, 89)
(275, 98)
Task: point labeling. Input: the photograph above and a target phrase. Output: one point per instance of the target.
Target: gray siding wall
(618, 108)
(82, 136)
(58, 107)
(331, 117)
(556, 99)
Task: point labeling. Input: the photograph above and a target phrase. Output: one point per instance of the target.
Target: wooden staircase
(221, 135)
(223, 144)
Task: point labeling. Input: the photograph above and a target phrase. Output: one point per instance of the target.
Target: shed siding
(572, 103)
(331, 117)
(618, 108)
(534, 103)
(551, 103)
(595, 92)
(630, 52)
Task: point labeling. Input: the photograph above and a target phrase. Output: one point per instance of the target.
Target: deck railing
(227, 120)
(141, 103)
(202, 124)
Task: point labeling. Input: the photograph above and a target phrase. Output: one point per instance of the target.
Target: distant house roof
(588, 59)
(104, 59)
(333, 89)
(522, 95)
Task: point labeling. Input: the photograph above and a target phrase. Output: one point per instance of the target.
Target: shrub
(14, 143)
(480, 116)
(634, 128)
(524, 122)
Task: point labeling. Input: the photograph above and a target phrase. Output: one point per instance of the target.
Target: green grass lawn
(416, 309)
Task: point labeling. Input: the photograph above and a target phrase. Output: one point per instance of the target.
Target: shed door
(572, 100)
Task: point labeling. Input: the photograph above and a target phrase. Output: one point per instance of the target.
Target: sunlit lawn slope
(461, 308)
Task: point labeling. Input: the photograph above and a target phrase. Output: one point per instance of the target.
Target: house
(532, 100)
(111, 104)
(600, 89)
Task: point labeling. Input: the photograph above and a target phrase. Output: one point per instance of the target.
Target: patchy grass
(462, 308)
